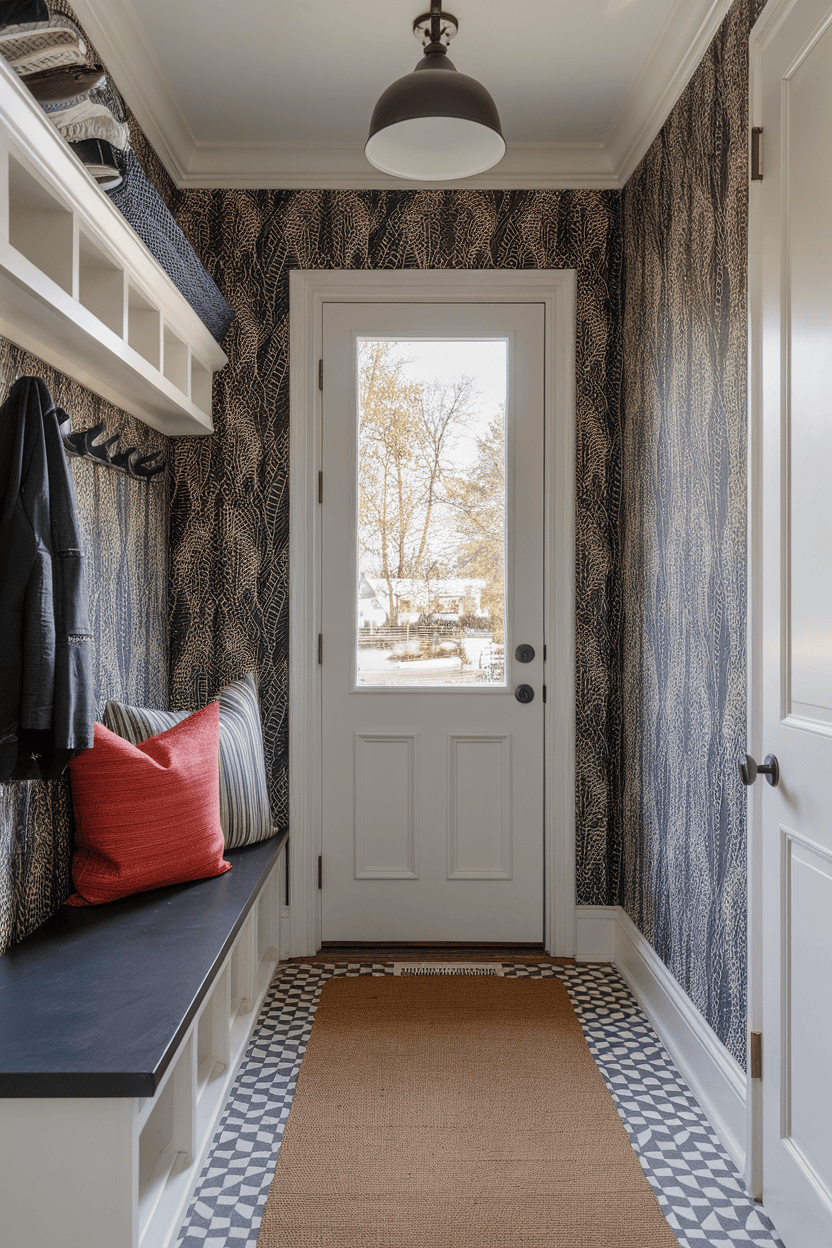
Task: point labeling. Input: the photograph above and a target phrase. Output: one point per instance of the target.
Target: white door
(432, 582)
(793, 248)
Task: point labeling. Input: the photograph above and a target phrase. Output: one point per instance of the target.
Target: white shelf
(79, 289)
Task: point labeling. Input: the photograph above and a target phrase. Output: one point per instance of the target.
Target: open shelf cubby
(79, 289)
(100, 284)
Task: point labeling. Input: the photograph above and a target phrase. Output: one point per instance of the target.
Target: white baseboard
(595, 933)
(608, 934)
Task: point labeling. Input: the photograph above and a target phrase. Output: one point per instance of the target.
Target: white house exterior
(446, 598)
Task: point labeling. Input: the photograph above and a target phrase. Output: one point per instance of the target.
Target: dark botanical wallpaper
(230, 501)
(660, 569)
(125, 529)
(683, 535)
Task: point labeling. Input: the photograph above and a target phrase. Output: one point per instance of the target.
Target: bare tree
(406, 432)
(479, 500)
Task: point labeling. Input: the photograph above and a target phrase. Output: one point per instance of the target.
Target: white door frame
(763, 30)
(308, 291)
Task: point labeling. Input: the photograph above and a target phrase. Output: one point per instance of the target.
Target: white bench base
(119, 1172)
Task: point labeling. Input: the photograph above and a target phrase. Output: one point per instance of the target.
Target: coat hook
(131, 462)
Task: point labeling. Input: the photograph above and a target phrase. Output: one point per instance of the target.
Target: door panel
(479, 807)
(795, 257)
(432, 805)
(386, 786)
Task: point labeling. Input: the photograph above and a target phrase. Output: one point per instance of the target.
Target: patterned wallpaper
(660, 571)
(125, 529)
(230, 500)
(683, 535)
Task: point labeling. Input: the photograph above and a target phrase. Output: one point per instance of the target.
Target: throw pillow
(147, 816)
(245, 813)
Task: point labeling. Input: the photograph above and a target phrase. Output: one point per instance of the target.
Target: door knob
(524, 693)
(749, 770)
(524, 653)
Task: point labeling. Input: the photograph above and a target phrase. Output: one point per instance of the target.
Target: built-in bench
(121, 1030)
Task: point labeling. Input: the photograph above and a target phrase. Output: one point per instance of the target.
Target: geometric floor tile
(697, 1184)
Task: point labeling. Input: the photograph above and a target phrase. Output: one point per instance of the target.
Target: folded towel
(142, 205)
(34, 47)
(90, 120)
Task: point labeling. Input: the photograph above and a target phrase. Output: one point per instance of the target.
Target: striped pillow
(245, 814)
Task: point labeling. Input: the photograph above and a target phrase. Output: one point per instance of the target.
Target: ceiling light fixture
(435, 124)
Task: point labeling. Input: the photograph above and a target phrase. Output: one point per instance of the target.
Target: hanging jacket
(47, 702)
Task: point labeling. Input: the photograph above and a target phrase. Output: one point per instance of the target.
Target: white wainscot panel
(808, 948)
(386, 805)
(479, 806)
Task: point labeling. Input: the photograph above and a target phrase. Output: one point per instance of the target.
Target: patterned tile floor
(696, 1182)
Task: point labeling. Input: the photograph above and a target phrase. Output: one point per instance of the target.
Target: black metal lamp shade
(435, 124)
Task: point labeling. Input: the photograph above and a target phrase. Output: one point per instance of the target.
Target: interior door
(795, 254)
(432, 611)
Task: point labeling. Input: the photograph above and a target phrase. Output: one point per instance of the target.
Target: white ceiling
(279, 93)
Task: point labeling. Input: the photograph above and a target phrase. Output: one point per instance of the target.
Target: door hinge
(756, 153)
(320, 374)
(320, 871)
(320, 647)
(320, 487)
(544, 654)
(755, 1054)
(544, 693)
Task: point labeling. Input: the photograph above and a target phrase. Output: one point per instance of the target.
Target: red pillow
(147, 815)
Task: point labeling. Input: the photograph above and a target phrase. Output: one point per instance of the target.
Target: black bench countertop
(97, 1000)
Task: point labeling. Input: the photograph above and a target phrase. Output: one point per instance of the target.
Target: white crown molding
(342, 167)
(671, 63)
(124, 49)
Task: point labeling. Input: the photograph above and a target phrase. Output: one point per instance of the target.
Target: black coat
(47, 703)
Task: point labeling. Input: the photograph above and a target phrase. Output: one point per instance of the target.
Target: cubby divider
(200, 385)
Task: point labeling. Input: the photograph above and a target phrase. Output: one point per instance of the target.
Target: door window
(431, 523)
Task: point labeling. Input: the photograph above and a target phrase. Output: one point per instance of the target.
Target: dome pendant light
(435, 124)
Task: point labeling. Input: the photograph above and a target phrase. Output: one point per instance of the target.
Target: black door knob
(524, 693)
(524, 653)
(749, 770)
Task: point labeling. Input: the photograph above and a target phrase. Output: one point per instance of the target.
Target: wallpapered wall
(685, 226)
(125, 531)
(230, 501)
(660, 508)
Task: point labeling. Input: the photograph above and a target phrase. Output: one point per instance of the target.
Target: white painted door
(432, 577)
(793, 104)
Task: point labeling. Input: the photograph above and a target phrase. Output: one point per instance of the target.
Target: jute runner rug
(455, 1112)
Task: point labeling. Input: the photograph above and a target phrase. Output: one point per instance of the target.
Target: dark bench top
(97, 1000)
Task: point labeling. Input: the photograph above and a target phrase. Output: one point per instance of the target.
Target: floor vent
(447, 968)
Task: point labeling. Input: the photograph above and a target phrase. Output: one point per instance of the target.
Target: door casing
(763, 31)
(308, 291)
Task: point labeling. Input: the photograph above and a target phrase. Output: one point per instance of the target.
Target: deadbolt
(524, 693)
(749, 770)
(524, 653)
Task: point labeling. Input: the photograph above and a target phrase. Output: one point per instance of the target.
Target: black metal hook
(131, 462)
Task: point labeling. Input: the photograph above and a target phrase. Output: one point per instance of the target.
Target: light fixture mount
(436, 26)
(435, 124)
